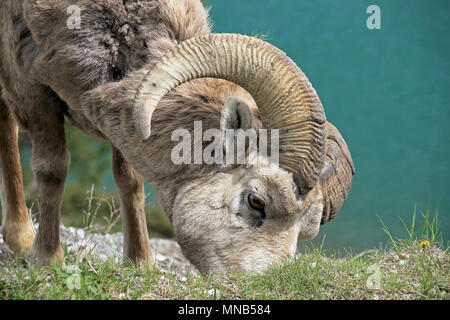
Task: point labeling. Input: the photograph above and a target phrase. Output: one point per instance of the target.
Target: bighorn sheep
(135, 63)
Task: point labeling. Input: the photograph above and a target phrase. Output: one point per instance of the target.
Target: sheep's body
(46, 70)
(42, 57)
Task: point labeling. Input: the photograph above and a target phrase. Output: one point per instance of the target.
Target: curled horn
(337, 173)
(285, 98)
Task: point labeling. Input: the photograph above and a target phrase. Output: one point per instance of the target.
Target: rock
(6, 255)
(211, 292)
(98, 247)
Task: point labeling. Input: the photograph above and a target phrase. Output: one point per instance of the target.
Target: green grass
(413, 268)
(430, 230)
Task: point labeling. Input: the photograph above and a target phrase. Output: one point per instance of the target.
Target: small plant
(94, 204)
(428, 235)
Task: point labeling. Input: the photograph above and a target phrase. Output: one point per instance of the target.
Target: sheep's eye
(255, 202)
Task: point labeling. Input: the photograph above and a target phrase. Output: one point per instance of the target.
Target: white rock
(211, 292)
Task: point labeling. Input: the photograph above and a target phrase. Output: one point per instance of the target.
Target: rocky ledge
(100, 247)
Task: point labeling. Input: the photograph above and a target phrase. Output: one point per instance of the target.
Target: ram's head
(250, 215)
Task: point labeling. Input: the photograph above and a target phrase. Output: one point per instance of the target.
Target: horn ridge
(283, 94)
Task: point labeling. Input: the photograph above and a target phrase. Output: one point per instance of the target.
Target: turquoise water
(387, 90)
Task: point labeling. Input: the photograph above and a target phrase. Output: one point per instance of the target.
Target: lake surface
(386, 90)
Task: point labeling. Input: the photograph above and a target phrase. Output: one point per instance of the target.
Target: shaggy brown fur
(45, 68)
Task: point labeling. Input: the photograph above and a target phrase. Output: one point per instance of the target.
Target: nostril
(263, 213)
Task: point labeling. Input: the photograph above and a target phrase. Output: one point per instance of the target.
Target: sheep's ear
(236, 116)
(310, 219)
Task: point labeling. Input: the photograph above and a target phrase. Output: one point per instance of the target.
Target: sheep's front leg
(50, 164)
(16, 223)
(131, 189)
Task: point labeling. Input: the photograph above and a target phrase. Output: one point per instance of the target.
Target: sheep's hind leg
(50, 164)
(131, 189)
(17, 230)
